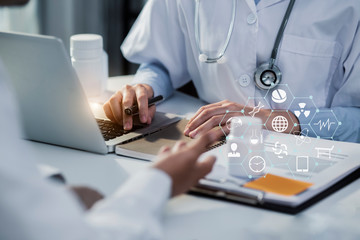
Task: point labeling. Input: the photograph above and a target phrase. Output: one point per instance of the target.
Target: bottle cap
(86, 46)
(86, 41)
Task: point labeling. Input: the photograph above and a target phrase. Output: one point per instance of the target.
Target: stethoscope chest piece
(267, 76)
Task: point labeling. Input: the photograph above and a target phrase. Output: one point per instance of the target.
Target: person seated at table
(220, 45)
(34, 208)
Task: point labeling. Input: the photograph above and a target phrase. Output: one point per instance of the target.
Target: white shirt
(34, 209)
(319, 54)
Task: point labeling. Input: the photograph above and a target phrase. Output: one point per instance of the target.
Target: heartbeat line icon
(256, 109)
(322, 124)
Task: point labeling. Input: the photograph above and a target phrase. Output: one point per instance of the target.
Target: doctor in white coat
(318, 56)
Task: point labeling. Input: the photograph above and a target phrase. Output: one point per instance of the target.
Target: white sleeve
(346, 102)
(34, 209)
(347, 90)
(135, 212)
(157, 38)
(155, 76)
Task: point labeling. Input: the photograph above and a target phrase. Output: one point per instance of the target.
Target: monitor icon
(302, 163)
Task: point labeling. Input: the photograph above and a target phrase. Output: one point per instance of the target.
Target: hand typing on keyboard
(138, 94)
(111, 130)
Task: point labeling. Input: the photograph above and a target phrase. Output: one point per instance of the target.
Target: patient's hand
(182, 165)
(210, 116)
(128, 96)
(87, 196)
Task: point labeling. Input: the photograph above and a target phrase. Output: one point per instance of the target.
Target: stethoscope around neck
(267, 75)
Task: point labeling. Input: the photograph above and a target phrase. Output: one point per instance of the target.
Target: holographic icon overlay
(302, 136)
(280, 150)
(242, 142)
(256, 109)
(232, 119)
(257, 164)
(324, 152)
(280, 121)
(303, 108)
(302, 163)
(298, 152)
(279, 96)
(233, 153)
(325, 124)
(280, 124)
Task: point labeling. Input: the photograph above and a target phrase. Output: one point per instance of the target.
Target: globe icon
(280, 124)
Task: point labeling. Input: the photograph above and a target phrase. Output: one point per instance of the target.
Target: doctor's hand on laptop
(125, 98)
(182, 165)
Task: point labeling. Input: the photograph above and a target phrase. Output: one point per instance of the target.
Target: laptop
(53, 106)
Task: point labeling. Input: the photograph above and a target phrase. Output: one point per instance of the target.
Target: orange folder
(279, 185)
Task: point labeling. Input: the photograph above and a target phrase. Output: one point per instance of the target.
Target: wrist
(149, 90)
(296, 129)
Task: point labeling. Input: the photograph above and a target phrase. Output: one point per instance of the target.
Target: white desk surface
(196, 218)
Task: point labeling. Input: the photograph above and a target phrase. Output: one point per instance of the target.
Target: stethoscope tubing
(280, 34)
(228, 37)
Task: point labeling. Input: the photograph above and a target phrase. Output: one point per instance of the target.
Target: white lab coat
(32, 208)
(319, 54)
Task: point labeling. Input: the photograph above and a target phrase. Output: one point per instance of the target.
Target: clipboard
(257, 198)
(341, 174)
(328, 181)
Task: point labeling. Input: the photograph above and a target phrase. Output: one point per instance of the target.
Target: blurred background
(112, 19)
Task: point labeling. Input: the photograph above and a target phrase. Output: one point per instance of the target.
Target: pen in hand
(133, 110)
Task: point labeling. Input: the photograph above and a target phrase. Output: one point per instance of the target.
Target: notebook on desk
(283, 189)
(147, 148)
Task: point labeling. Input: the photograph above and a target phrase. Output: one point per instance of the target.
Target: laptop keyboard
(111, 130)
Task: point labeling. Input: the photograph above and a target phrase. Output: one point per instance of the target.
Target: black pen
(135, 109)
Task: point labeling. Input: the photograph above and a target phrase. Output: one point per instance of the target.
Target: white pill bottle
(90, 62)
